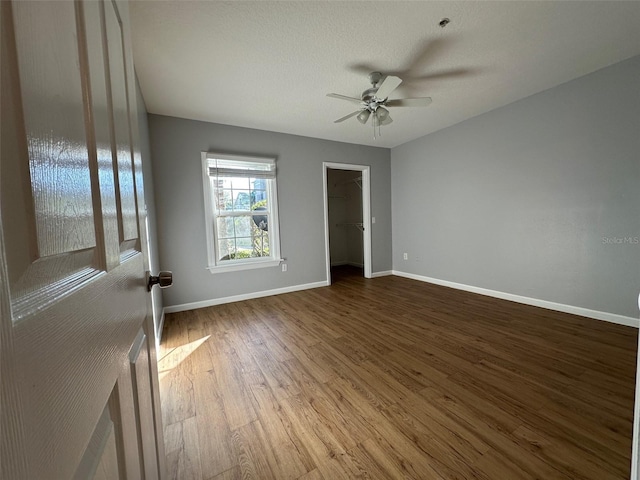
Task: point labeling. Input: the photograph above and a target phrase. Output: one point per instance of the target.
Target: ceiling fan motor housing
(368, 95)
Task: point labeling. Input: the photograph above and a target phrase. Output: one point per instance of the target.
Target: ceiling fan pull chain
(373, 123)
(376, 119)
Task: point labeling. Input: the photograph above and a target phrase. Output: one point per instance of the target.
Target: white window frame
(213, 264)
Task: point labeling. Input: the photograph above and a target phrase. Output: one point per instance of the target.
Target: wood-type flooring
(391, 378)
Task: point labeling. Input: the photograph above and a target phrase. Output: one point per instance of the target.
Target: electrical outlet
(284, 267)
(405, 256)
(373, 219)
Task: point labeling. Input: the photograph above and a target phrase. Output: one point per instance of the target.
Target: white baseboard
(239, 298)
(560, 307)
(381, 274)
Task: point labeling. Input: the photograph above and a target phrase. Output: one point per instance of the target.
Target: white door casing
(366, 213)
(635, 453)
(79, 386)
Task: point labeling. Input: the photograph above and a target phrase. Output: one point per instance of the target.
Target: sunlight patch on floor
(176, 355)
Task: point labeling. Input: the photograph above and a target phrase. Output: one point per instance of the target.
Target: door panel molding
(101, 452)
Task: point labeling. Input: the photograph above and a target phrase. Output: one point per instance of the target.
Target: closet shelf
(357, 181)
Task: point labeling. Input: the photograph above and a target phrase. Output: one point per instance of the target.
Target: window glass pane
(258, 200)
(226, 249)
(260, 221)
(244, 244)
(239, 183)
(260, 243)
(241, 200)
(243, 226)
(259, 183)
(258, 189)
(224, 182)
(225, 227)
(224, 200)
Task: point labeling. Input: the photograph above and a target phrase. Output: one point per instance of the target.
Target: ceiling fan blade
(409, 102)
(363, 68)
(344, 97)
(353, 114)
(388, 85)
(452, 73)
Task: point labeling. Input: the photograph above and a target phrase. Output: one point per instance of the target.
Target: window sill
(243, 266)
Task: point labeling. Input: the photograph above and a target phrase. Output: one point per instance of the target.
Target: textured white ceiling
(269, 65)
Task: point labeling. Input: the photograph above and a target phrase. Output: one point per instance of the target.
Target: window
(241, 212)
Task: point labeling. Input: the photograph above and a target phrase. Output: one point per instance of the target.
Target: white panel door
(77, 356)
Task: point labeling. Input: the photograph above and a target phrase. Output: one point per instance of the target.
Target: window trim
(210, 225)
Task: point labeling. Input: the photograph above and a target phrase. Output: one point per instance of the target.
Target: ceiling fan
(374, 101)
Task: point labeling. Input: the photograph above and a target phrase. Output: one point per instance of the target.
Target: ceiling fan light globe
(382, 114)
(363, 116)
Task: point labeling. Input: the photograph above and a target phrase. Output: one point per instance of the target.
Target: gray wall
(175, 147)
(149, 198)
(519, 199)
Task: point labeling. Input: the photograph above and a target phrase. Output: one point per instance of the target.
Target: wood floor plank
(237, 405)
(566, 456)
(477, 408)
(392, 378)
(349, 375)
(183, 450)
(612, 430)
(531, 468)
(346, 428)
(394, 458)
(282, 385)
(313, 475)
(288, 328)
(290, 456)
(217, 452)
(176, 391)
(505, 454)
(175, 370)
(203, 342)
(234, 473)
(252, 454)
(319, 438)
(459, 443)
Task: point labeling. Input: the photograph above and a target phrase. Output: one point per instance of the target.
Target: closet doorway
(347, 216)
